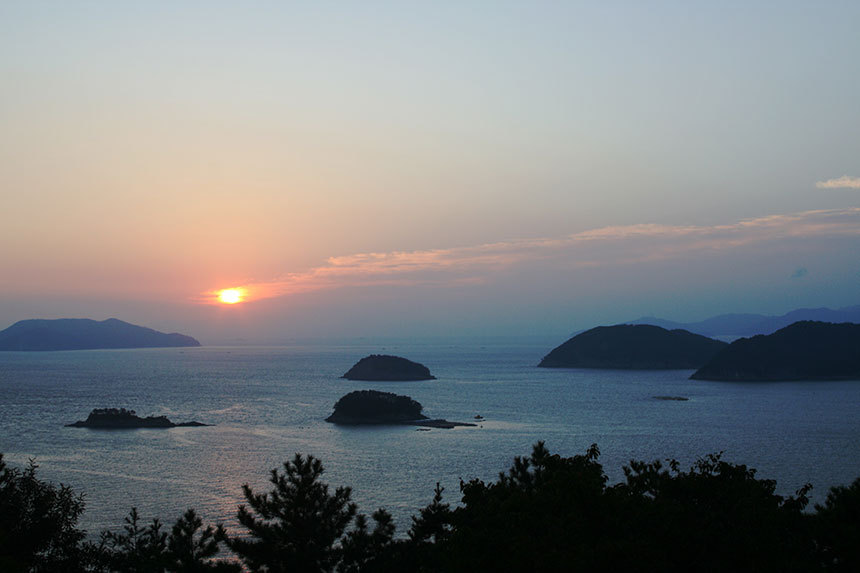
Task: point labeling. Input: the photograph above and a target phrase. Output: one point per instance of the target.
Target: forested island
(546, 513)
(120, 418)
(374, 407)
(86, 334)
(633, 347)
(805, 350)
(385, 368)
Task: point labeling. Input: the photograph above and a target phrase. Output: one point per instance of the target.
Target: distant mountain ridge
(86, 334)
(746, 325)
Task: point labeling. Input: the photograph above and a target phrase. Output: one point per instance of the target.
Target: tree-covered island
(385, 368)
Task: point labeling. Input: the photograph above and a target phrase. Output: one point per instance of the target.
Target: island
(120, 419)
(384, 368)
(363, 407)
(633, 347)
(86, 334)
(805, 350)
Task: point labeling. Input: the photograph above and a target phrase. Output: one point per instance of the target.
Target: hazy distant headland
(805, 350)
(738, 325)
(384, 368)
(86, 334)
(633, 347)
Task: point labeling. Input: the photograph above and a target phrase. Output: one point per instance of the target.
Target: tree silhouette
(296, 526)
(363, 550)
(186, 549)
(38, 523)
(550, 513)
(430, 529)
(837, 528)
(137, 548)
(717, 517)
(546, 513)
(433, 522)
(190, 548)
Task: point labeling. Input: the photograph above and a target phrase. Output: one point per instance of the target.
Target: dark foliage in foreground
(37, 522)
(550, 513)
(295, 526)
(188, 547)
(546, 513)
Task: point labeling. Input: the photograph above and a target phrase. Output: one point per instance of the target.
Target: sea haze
(266, 404)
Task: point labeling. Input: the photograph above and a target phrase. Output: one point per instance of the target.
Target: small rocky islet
(120, 418)
(367, 407)
(386, 368)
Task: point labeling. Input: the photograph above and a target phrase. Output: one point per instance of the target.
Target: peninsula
(633, 347)
(86, 334)
(363, 407)
(384, 368)
(120, 418)
(804, 350)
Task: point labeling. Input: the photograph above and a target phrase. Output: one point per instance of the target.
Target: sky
(406, 169)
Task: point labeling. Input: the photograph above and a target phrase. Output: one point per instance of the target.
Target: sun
(230, 295)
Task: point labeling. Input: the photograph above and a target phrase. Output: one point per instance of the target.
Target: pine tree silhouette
(297, 525)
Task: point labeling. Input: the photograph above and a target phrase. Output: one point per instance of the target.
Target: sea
(265, 404)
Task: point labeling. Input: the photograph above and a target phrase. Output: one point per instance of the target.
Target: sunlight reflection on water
(268, 404)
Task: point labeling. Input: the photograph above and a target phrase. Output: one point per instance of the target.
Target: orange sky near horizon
(350, 161)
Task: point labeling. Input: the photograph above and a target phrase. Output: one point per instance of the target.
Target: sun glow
(231, 295)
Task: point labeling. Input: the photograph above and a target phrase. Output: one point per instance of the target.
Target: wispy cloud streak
(607, 246)
(844, 182)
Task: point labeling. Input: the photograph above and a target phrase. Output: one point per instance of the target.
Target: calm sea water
(266, 404)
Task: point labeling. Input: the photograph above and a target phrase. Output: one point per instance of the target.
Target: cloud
(602, 247)
(844, 182)
(799, 273)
